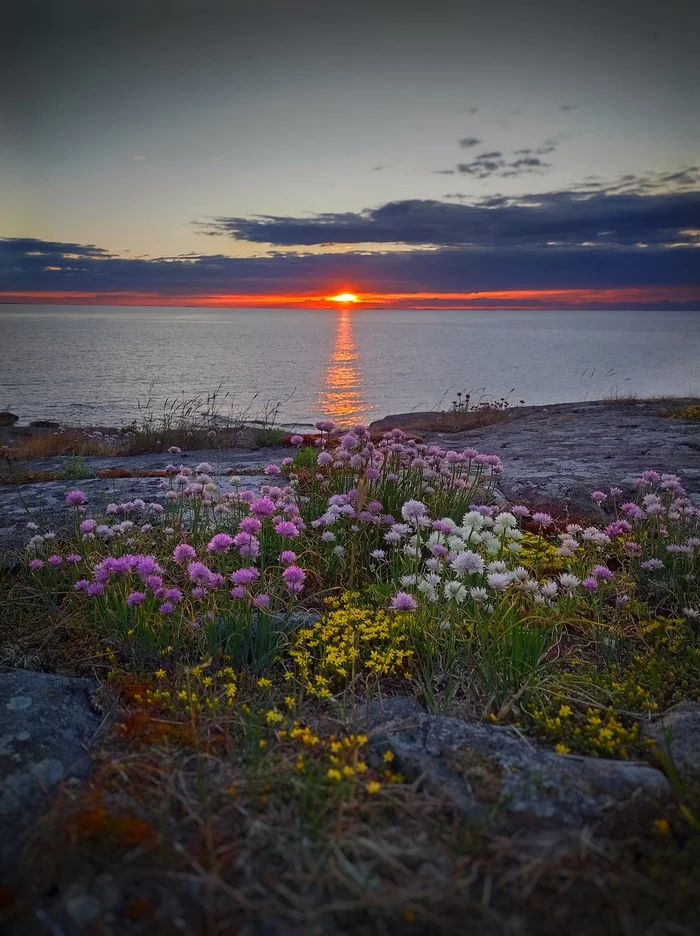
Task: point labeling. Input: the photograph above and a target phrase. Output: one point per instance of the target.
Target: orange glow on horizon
(512, 298)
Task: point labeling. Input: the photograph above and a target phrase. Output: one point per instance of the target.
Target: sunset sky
(417, 154)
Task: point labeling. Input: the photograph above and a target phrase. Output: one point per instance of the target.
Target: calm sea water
(94, 365)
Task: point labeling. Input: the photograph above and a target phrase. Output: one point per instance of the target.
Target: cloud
(568, 107)
(443, 172)
(446, 269)
(468, 142)
(563, 217)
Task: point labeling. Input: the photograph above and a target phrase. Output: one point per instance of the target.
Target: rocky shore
(553, 457)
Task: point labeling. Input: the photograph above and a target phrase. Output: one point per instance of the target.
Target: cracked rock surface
(486, 770)
(46, 724)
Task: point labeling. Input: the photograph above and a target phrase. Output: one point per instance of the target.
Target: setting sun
(344, 297)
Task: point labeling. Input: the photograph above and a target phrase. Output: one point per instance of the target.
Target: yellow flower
(333, 774)
(374, 787)
(160, 673)
(388, 757)
(565, 711)
(273, 718)
(264, 683)
(290, 701)
(561, 748)
(662, 825)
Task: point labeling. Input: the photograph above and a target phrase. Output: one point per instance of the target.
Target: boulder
(7, 418)
(677, 735)
(486, 770)
(46, 724)
(44, 424)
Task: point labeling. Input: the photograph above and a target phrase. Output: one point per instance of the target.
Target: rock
(487, 769)
(7, 418)
(44, 424)
(677, 734)
(46, 723)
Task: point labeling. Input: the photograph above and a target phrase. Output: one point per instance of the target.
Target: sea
(107, 366)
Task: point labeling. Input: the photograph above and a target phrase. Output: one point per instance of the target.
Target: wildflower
(264, 682)
(467, 562)
(542, 519)
(36, 564)
(402, 601)
(561, 748)
(499, 580)
(334, 774)
(590, 583)
(220, 543)
(272, 470)
(167, 607)
(414, 511)
(198, 592)
(183, 552)
(261, 600)
(288, 557)
(135, 598)
(200, 573)
(174, 450)
(55, 560)
(247, 544)
(325, 425)
(203, 468)
(603, 573)
(286, 528)
(328, 536)
(95, 589)
(479, 594)
(238, 593)
(456, 591)
(245, 576)
(569, 581)
(651, 565)
(75, 498)
(599, 496)
(378, 554)
(373, 787)
(339, 550)
(262, 507)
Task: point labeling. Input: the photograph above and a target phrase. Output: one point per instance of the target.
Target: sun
(344, 297)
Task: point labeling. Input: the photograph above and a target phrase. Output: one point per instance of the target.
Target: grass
(233, 783)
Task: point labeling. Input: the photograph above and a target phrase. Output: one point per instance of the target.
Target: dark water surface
(94, 364)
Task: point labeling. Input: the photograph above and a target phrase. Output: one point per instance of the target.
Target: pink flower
(599, 496)
(36, 564)
(250, 525)
(174, 450)
(286, 529)
(272, 469)
(54, 561)
(542, 519)
(75, 498)
(287, 557)
(199, 573)
(297, 439)
(247, 544)
(245, 576)
(183, 552)
(262, 507)
(135, 598)
(602, 573)
(325, 425)
(173, 594)
(402, 601)
(590, 583)
(96, 589)
(81, 585)
(238, 593)
(167, 607)
(73, 557)
(261, 601)
(87, 526)
(220, 543)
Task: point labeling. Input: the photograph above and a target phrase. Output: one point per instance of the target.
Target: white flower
(504, 521)
(491, 542)
(467, 562)
(514, 547)
(499, 580)
(496, 566)
(378, 554)
(479, 594)
(413, 510)
(456, 591)
(569, 581)
(692, 613)
(550, 589)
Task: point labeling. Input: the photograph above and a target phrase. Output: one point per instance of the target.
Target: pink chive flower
(36, 564)
(542, 519)
(261, 601)
(603, 573)
(55, 560)
(247, 544)
(250, 525)
(167, 607)
(183, 552)
(324, 458)
(220, 543)
(272, 470)
(174, 450)
(88, 526)
(402, 601)
(81, 585)
(245, 576)
(286, 529)
(95, 589)
(199, 573)
(325, 425)
(297, 439)
(262, 507)
(198, 592)
(135, 598)
(652, 565)
(75, 498)
(288, 557)
(599, 496)
(173, 594)
(73, 557)
(590, 583)
(520, 511)
(237, 593)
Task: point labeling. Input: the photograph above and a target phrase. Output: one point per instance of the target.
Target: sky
(467, 153)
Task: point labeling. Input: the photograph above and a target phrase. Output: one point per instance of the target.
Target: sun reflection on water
(342, 395)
